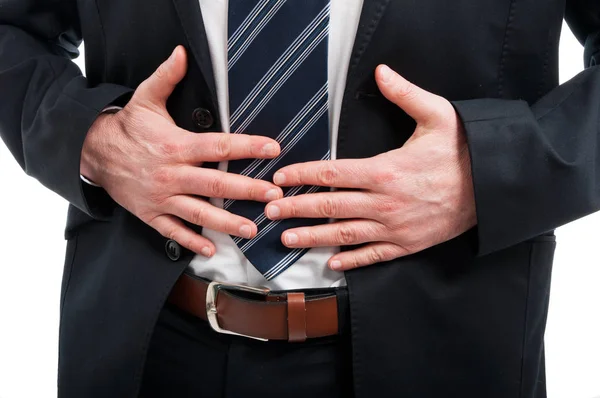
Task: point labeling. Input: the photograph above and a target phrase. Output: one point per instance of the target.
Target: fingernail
(385, 73)
(273, 212)
(245, 231)
(279, 178)
(206, 252)
(272, 194)
(335, 265)
(291, 239)
(270, 150)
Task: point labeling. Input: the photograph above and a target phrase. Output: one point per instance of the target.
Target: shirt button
(173, 250)
(203, 118)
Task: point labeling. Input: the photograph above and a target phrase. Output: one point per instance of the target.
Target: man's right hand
(150, 166)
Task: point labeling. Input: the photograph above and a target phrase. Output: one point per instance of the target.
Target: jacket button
(203, 118)
(173, 250)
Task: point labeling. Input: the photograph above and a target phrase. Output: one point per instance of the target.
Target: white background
(31, 260)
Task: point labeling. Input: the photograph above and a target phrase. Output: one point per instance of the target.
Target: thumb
(159, 86)
(419, 104)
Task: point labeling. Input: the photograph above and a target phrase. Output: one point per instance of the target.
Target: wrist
(92, 161)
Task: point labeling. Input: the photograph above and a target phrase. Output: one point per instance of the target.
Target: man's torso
(452, 324)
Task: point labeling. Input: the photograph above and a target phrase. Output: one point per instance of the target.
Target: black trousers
(186, 358)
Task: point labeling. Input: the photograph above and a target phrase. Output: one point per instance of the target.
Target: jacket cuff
(488, 126)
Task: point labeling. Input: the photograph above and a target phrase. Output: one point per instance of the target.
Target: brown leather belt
(257, 313)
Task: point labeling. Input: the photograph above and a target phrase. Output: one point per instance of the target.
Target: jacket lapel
(372, 11)
(193, 24)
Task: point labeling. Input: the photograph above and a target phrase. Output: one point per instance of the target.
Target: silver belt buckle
(211, 304)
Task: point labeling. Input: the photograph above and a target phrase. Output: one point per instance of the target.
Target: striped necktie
(277, 59)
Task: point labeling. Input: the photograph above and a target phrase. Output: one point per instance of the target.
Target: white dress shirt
(229, 264)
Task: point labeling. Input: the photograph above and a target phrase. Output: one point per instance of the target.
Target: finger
(345, 173)
(159, 86)
(173, 228)
(419, 104)
(323, 205)
(216, 147)
(219, 184)
(367, 255)
(341, 233)
(202, 213)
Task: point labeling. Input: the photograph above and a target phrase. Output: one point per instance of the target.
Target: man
(404, 229)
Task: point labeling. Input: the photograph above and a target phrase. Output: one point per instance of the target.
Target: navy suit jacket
(462, 319)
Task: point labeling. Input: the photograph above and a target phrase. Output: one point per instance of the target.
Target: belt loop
(296, 317)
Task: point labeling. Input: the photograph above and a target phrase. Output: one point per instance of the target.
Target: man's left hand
(403, 201)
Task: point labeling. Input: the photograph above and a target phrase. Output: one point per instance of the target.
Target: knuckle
(386, 206)
(171, 233)
(327, 174)
(382, 177)
(291, 210)
(406, 91)
(170, 149)
(375, 256)
(328, 208)
(228, 225)
(312, 238)
(157, 198)
(346, 235)
(252, 192)
(162, 176)
(198, 215)
(217, 187)
(223, 147)
(161, 72)
(354, 261)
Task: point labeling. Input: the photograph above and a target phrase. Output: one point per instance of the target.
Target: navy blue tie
(277, 56)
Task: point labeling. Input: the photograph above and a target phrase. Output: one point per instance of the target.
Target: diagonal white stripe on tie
(289, 55)
(247, 22)
(238, 51)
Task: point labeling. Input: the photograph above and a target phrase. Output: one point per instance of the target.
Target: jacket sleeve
(47, 106)
(537, 167)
